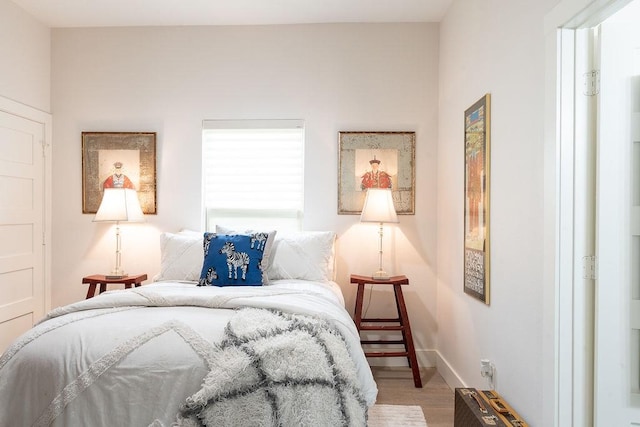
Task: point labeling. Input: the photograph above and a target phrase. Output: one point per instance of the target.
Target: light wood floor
(395, 387)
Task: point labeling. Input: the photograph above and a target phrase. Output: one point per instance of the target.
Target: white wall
(495, 47)
(25, 52)
(167, 80)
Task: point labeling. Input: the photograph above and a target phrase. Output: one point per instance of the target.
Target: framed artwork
(477, 156)
(121, 160)
(376, 160)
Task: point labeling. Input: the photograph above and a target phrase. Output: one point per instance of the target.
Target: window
(253, 173)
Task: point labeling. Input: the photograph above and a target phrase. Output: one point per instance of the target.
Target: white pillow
(304, 255)
(181, 256)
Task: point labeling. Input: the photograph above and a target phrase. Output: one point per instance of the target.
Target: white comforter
(131, 358)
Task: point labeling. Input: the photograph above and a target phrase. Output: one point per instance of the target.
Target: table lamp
(378, 207)
(119, 205)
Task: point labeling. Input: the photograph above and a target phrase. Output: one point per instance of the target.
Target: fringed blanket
(278, 369)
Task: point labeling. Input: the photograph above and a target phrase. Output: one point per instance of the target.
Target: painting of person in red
(375, 178)
(118, 179)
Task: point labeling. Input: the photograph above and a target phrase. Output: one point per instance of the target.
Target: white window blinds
(253, 173)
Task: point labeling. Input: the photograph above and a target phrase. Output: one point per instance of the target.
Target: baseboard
(426, 359)
(449, 374)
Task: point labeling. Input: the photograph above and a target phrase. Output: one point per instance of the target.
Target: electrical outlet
(486, 368)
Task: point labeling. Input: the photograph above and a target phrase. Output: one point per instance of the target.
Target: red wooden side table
(100, 279)
(402, 322)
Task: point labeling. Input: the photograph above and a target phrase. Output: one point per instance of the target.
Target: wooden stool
(100, 279)
(402, 320)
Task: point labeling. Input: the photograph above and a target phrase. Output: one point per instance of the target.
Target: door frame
(559, 271)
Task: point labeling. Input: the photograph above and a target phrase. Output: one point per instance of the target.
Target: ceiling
(110, 13)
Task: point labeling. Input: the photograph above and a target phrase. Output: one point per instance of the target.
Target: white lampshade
(378, 206)
(119, 205)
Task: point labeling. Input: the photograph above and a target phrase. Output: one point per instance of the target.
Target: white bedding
(133, 357)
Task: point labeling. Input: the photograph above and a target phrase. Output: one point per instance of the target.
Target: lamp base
(116, 273)
(380, 275)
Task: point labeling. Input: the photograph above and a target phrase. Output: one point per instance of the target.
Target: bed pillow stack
(303, 255)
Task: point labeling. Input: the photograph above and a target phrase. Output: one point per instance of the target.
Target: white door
(23, 210)
(617, 323)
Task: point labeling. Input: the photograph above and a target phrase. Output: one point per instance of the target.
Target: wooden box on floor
(475, 408)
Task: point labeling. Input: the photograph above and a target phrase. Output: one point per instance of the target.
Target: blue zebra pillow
(232, 260)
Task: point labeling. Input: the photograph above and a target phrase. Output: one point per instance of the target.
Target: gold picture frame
(118, 159)
(376, 159)
(477, 156)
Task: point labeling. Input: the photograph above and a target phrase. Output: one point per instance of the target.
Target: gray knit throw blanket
(278, 369)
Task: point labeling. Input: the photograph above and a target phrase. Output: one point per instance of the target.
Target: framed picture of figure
(477, 156)
(120, 160)
(376, 160)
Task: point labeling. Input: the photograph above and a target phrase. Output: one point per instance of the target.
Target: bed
(186, 350)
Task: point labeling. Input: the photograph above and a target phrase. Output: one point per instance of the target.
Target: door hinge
(589, 267)
(592, 83)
